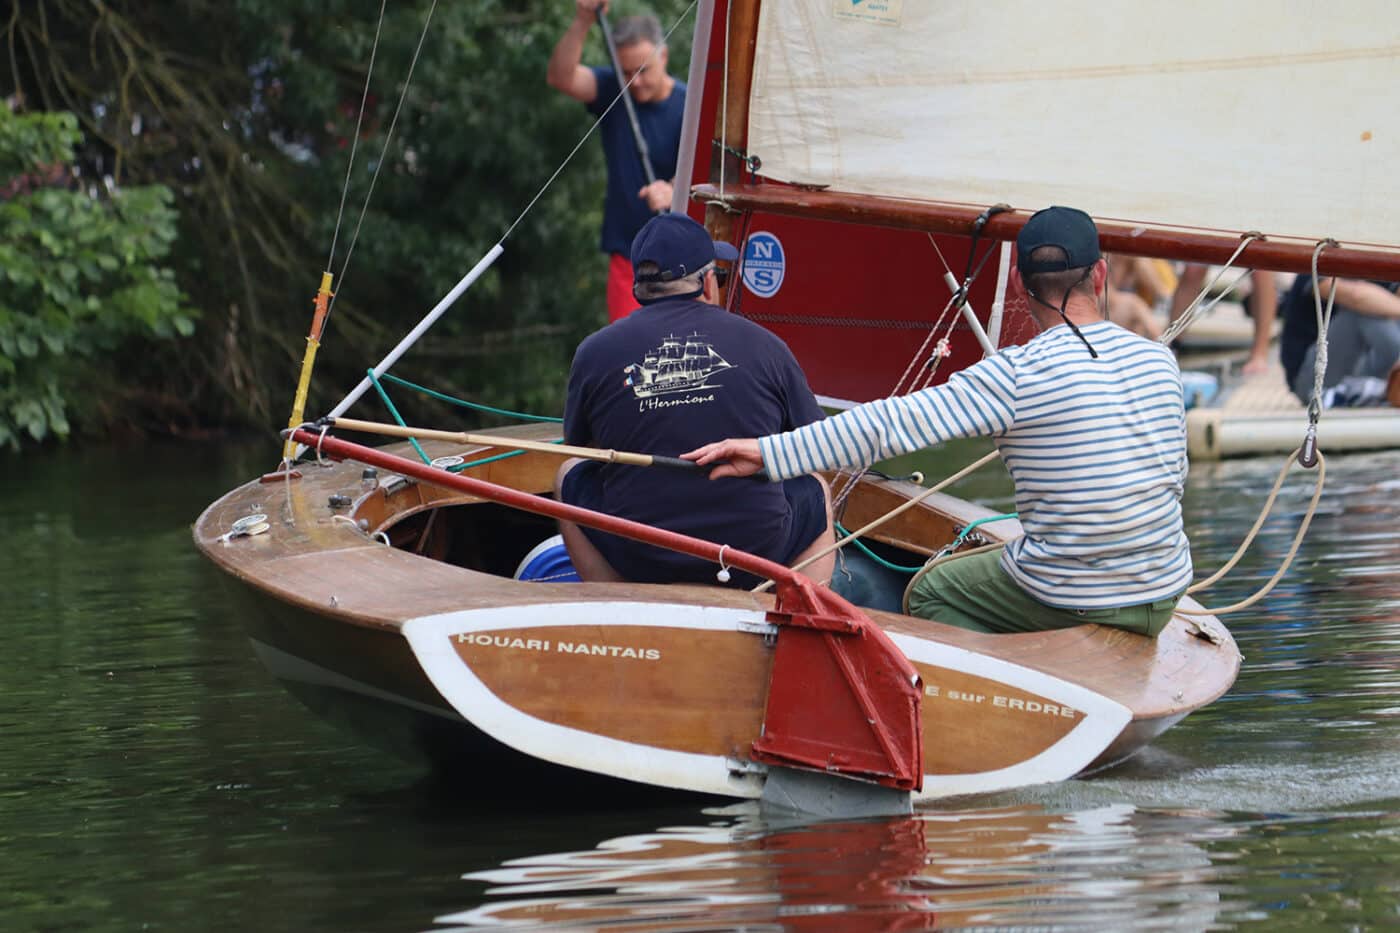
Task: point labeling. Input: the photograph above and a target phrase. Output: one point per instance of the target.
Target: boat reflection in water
(1103, 868)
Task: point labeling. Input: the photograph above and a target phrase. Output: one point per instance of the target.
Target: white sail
(1249, 115)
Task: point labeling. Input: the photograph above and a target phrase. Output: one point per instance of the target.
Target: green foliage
(248, 110)
(80, 276)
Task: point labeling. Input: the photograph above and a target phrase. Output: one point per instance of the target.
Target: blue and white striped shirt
(1096, 448)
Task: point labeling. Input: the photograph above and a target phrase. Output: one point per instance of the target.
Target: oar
(643, 152)
(497, 440)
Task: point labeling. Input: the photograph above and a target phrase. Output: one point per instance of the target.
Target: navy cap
(678, 245)
(1070, 229)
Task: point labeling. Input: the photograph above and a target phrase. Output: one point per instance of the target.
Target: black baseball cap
(1068, 228)
(678, 245)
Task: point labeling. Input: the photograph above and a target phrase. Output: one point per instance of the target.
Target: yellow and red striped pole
(313, 343)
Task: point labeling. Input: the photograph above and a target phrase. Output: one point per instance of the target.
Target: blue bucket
(547, 562)
(1200, 388)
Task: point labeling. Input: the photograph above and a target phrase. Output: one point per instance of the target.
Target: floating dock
(1257, 415)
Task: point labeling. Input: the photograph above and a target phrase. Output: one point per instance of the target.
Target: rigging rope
(491, 255)
(384, 151)
(1195, 309)
(1249, 539)
(355, 140)
(475, 406)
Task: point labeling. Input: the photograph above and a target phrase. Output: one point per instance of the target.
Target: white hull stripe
(432, 640)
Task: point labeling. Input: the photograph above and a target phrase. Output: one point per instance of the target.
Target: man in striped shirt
(1090, 421)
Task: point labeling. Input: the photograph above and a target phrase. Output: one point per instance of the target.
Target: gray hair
(629, 30)
(685, 285)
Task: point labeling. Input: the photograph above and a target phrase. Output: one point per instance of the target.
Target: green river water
(154, 777)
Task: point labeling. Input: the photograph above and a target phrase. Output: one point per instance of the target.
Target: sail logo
(764, 264)
(884, 12)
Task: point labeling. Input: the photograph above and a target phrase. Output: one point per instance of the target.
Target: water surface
(153, 776)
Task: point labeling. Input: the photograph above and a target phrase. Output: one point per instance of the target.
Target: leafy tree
(249, 111)
(83, 276)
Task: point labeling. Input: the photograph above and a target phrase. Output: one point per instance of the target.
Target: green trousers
(974, 592)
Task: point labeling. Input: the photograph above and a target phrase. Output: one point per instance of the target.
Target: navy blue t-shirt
(674, 375)
(623, 212)
(1298, 310)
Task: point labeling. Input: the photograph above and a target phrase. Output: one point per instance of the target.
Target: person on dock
(659, 103)
(1260, 303)
(1090, 421)
(678, 373)
(1133, 290)
(1363, 339)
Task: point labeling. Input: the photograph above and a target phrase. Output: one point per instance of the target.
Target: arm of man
(978, 401)
(566, 72)
(1364, 297)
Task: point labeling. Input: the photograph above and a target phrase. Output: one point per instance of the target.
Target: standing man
(659, 101)
(1090, 422)
(678, 373)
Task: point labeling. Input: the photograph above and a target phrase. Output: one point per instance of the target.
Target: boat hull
(513, 685)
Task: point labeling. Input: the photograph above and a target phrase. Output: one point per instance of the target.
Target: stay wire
(355, 140)
(384, 152)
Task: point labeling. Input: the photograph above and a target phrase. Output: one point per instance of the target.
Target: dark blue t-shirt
(674, 375)
(1298, 310)
(623, 212)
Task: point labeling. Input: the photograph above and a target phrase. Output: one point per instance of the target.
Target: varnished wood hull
(511, 682)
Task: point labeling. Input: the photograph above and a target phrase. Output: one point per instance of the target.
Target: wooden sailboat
(429, 645)
(828, 142)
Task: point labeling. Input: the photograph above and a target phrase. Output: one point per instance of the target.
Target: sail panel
(1269, 116)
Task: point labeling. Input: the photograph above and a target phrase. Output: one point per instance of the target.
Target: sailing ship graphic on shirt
(675, 366)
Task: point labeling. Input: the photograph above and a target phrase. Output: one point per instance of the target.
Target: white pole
(423, 325)
(999, 302)
(690, 120)
(971, 318)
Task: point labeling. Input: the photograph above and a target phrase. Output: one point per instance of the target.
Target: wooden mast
(740, 17)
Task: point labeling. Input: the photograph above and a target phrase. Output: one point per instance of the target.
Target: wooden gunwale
(1133, 240)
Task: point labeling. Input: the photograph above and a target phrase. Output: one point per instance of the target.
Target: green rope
(483, 461)
(865, 549)
(972, 525)
(475, 406)
(428, 460)
(395, 412)
(962, 536)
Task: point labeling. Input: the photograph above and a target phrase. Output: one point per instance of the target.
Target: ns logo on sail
(764, 264)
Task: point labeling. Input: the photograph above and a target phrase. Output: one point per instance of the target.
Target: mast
(732, 113)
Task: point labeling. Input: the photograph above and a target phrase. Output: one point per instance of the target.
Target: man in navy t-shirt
(659, 101)
(679, 373)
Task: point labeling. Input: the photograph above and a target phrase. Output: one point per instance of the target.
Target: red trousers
(620, 300)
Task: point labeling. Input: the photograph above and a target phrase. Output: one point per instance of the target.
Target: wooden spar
(493, 440)
(957, 220)
(830, 659)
